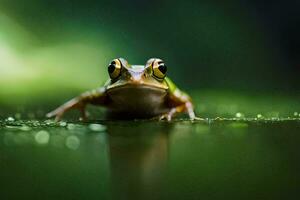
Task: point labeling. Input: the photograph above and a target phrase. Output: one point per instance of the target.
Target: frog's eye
(159, 69)
(114, 68)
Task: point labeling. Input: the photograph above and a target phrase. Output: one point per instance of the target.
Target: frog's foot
(187, 107)
(169, 115)
(57, 113)
(166, 116)
(72, 104)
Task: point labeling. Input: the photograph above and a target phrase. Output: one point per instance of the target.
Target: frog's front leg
(179, 102)
(95, 97)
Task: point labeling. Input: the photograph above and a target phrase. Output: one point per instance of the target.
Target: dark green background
(53, 50)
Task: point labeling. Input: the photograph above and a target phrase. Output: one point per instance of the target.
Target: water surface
(149, 160)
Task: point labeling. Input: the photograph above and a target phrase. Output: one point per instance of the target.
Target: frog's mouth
(137, 86)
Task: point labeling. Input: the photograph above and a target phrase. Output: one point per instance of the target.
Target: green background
(51, 51)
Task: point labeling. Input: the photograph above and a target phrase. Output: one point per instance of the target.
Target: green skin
(135, 91)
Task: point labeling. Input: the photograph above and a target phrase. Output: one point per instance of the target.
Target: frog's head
(125, 75)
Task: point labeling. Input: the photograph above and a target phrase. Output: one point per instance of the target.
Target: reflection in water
(138, 160)
(150, 160)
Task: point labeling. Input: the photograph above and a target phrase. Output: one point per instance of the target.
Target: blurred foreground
(149, 160)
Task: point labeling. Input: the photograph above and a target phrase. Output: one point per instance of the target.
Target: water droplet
(63, 123)
(239, 115)
(10, 119)
(49, 122)
(42, 137)
(35, 123)
(259, 116)
(295, 113)
(97, 127)
(72, 142)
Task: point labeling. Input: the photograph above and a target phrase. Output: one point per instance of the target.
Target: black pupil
(111, 68)
(162, 68)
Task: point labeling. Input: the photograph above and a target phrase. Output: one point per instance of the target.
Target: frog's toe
(83, 118)
(58, 118)
(167, 117)
(50, 115)
(198, 119)
(56, 114)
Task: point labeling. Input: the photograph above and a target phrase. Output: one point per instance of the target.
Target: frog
(134, 91)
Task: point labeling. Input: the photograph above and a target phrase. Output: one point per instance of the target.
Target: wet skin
(136, 91)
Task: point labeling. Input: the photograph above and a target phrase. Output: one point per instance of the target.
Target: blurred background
(227, 55)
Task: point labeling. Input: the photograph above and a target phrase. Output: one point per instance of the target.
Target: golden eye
(159, 69)
(114, 69)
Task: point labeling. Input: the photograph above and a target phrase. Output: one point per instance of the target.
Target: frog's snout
(136, 77)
